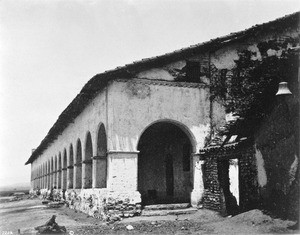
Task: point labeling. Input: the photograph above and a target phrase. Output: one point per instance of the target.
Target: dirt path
(31, 213)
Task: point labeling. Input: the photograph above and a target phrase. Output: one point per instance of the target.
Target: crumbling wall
(244, 79)
(104, 204)
(217, 194)
(249, 196)
(213, 198)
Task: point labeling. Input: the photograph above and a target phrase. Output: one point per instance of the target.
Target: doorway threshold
(168, 209)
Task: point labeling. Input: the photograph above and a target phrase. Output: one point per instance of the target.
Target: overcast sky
(50, 49)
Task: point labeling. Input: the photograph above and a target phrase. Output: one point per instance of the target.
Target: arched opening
(88, 170)
(165, 164)
(64, 170)
(78, 176)
(101, 160)
(58, 173)
(45, 175)
(40, 176)
(55, 171)
(70, 168)
(52, 172)
(49, 186)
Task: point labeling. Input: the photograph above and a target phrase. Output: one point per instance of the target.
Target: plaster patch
(293, 169)
(117, 142)
(140, 91)
(134, 143)
(272, 52)
(260, 164)
(176, 65)
(200, 132)
(156, 74)
(254, 48)
(225, 59)
(124, 143)
(231, 117)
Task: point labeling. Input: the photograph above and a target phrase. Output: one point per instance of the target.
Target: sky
(49, 49)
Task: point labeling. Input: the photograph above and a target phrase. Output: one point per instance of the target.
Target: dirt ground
(29, 213)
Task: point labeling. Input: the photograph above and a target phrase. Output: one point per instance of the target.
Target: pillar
(198, 184)
(54, 182)
(122, 170)
(87, 173)
(43, 181)
(48, 181)
(99, 171)
(64, 178)
(70, 178)
(77, 175)
(58, 179)
(51, 180)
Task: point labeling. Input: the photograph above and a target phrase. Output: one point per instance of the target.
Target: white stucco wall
(136, 104)
(88, 121)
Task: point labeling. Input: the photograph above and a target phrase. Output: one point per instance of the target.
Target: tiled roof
(94, 85)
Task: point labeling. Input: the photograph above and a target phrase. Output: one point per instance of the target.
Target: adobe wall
(136, 104)
(276, 155)
(88, 121)
(128, 107)
(217, 179)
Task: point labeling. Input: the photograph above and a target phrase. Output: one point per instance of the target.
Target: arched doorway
(165, 164)
(58, 173)
(64, 170)
(100, 162)
(70, 168)
(78, 172)
(54, 164)
(87, 170)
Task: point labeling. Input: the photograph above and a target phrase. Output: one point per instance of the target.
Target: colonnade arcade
(166, 167)
(67, 170)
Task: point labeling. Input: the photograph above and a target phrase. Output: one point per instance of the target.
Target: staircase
(168, 209)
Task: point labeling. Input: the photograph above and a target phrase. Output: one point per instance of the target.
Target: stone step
(169, 212)
(167, 206)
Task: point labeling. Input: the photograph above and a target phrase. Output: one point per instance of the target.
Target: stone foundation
(99, 203)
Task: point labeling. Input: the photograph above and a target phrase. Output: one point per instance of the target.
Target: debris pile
(252, 217)
(51, 227)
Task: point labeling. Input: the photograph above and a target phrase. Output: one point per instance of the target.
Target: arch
(71, 156)
(100, 162)
(70, 164)
(165, 163)
(180, 125)
(101, 141)
(64, 159)
(78, 172)
(87, 167)
(78, 152)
